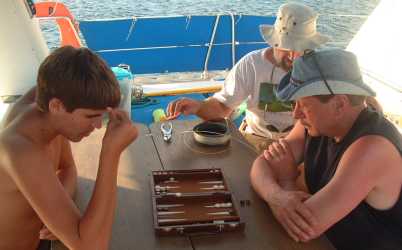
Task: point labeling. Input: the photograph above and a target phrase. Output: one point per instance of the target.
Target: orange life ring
(68, 27)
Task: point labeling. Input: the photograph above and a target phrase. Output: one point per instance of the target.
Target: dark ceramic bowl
(212, 133)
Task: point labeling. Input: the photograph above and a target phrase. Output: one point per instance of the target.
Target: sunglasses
(311, 53)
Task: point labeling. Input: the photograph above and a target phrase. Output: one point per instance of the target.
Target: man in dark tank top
(351, 186)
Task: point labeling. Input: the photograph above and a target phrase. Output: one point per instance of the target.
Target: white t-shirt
(243, 83)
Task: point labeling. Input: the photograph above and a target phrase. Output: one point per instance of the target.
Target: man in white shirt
(254, 78)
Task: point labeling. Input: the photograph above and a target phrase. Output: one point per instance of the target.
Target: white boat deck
(180, 83)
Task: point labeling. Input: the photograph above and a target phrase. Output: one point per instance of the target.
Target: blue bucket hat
(325, 72)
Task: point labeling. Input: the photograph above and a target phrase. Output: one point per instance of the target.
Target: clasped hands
(287, 203)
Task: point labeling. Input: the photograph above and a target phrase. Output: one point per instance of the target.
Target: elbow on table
(255, 170)
(257, 178)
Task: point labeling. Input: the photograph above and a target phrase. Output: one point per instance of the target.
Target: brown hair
(78, 78)
(353, 99)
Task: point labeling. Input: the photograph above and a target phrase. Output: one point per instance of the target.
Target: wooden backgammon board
(193, 202)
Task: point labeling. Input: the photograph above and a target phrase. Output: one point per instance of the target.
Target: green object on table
(159, 115)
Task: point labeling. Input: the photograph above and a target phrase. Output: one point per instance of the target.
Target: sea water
(340, 19)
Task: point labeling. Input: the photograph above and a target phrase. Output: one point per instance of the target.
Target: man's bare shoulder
(375, 161)
(375, 149)
(16, 149)
(372, 159)
(372, 155)
(22, 104)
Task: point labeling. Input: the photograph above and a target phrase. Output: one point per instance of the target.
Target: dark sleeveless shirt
(365, 227)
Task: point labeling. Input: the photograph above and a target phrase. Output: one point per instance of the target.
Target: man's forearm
(264, 181)
(211, 109)
(100, 211)
(68, 178)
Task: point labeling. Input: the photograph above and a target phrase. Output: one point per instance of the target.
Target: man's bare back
(19, 224)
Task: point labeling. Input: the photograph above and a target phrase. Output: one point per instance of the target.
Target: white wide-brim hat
(295, 29)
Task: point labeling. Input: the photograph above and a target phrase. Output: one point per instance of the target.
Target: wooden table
(133, 227)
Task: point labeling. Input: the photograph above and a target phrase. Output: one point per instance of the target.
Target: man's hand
(184, 106)
(120, 131)
(297, 219)
(280, 157)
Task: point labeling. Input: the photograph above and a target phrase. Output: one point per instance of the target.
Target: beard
(284, 62)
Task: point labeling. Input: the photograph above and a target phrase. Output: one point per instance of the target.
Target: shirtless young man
(75, 88)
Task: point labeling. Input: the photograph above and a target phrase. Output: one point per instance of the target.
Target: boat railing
(175, 44)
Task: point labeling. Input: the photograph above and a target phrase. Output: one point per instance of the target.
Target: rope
(54, 9)
(238, 20)
(188, 20)
(133, 22)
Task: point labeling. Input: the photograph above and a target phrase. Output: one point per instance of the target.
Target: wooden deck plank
(132, 228)
(261, 231)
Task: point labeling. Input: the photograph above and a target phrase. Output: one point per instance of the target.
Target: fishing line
(211, 132)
